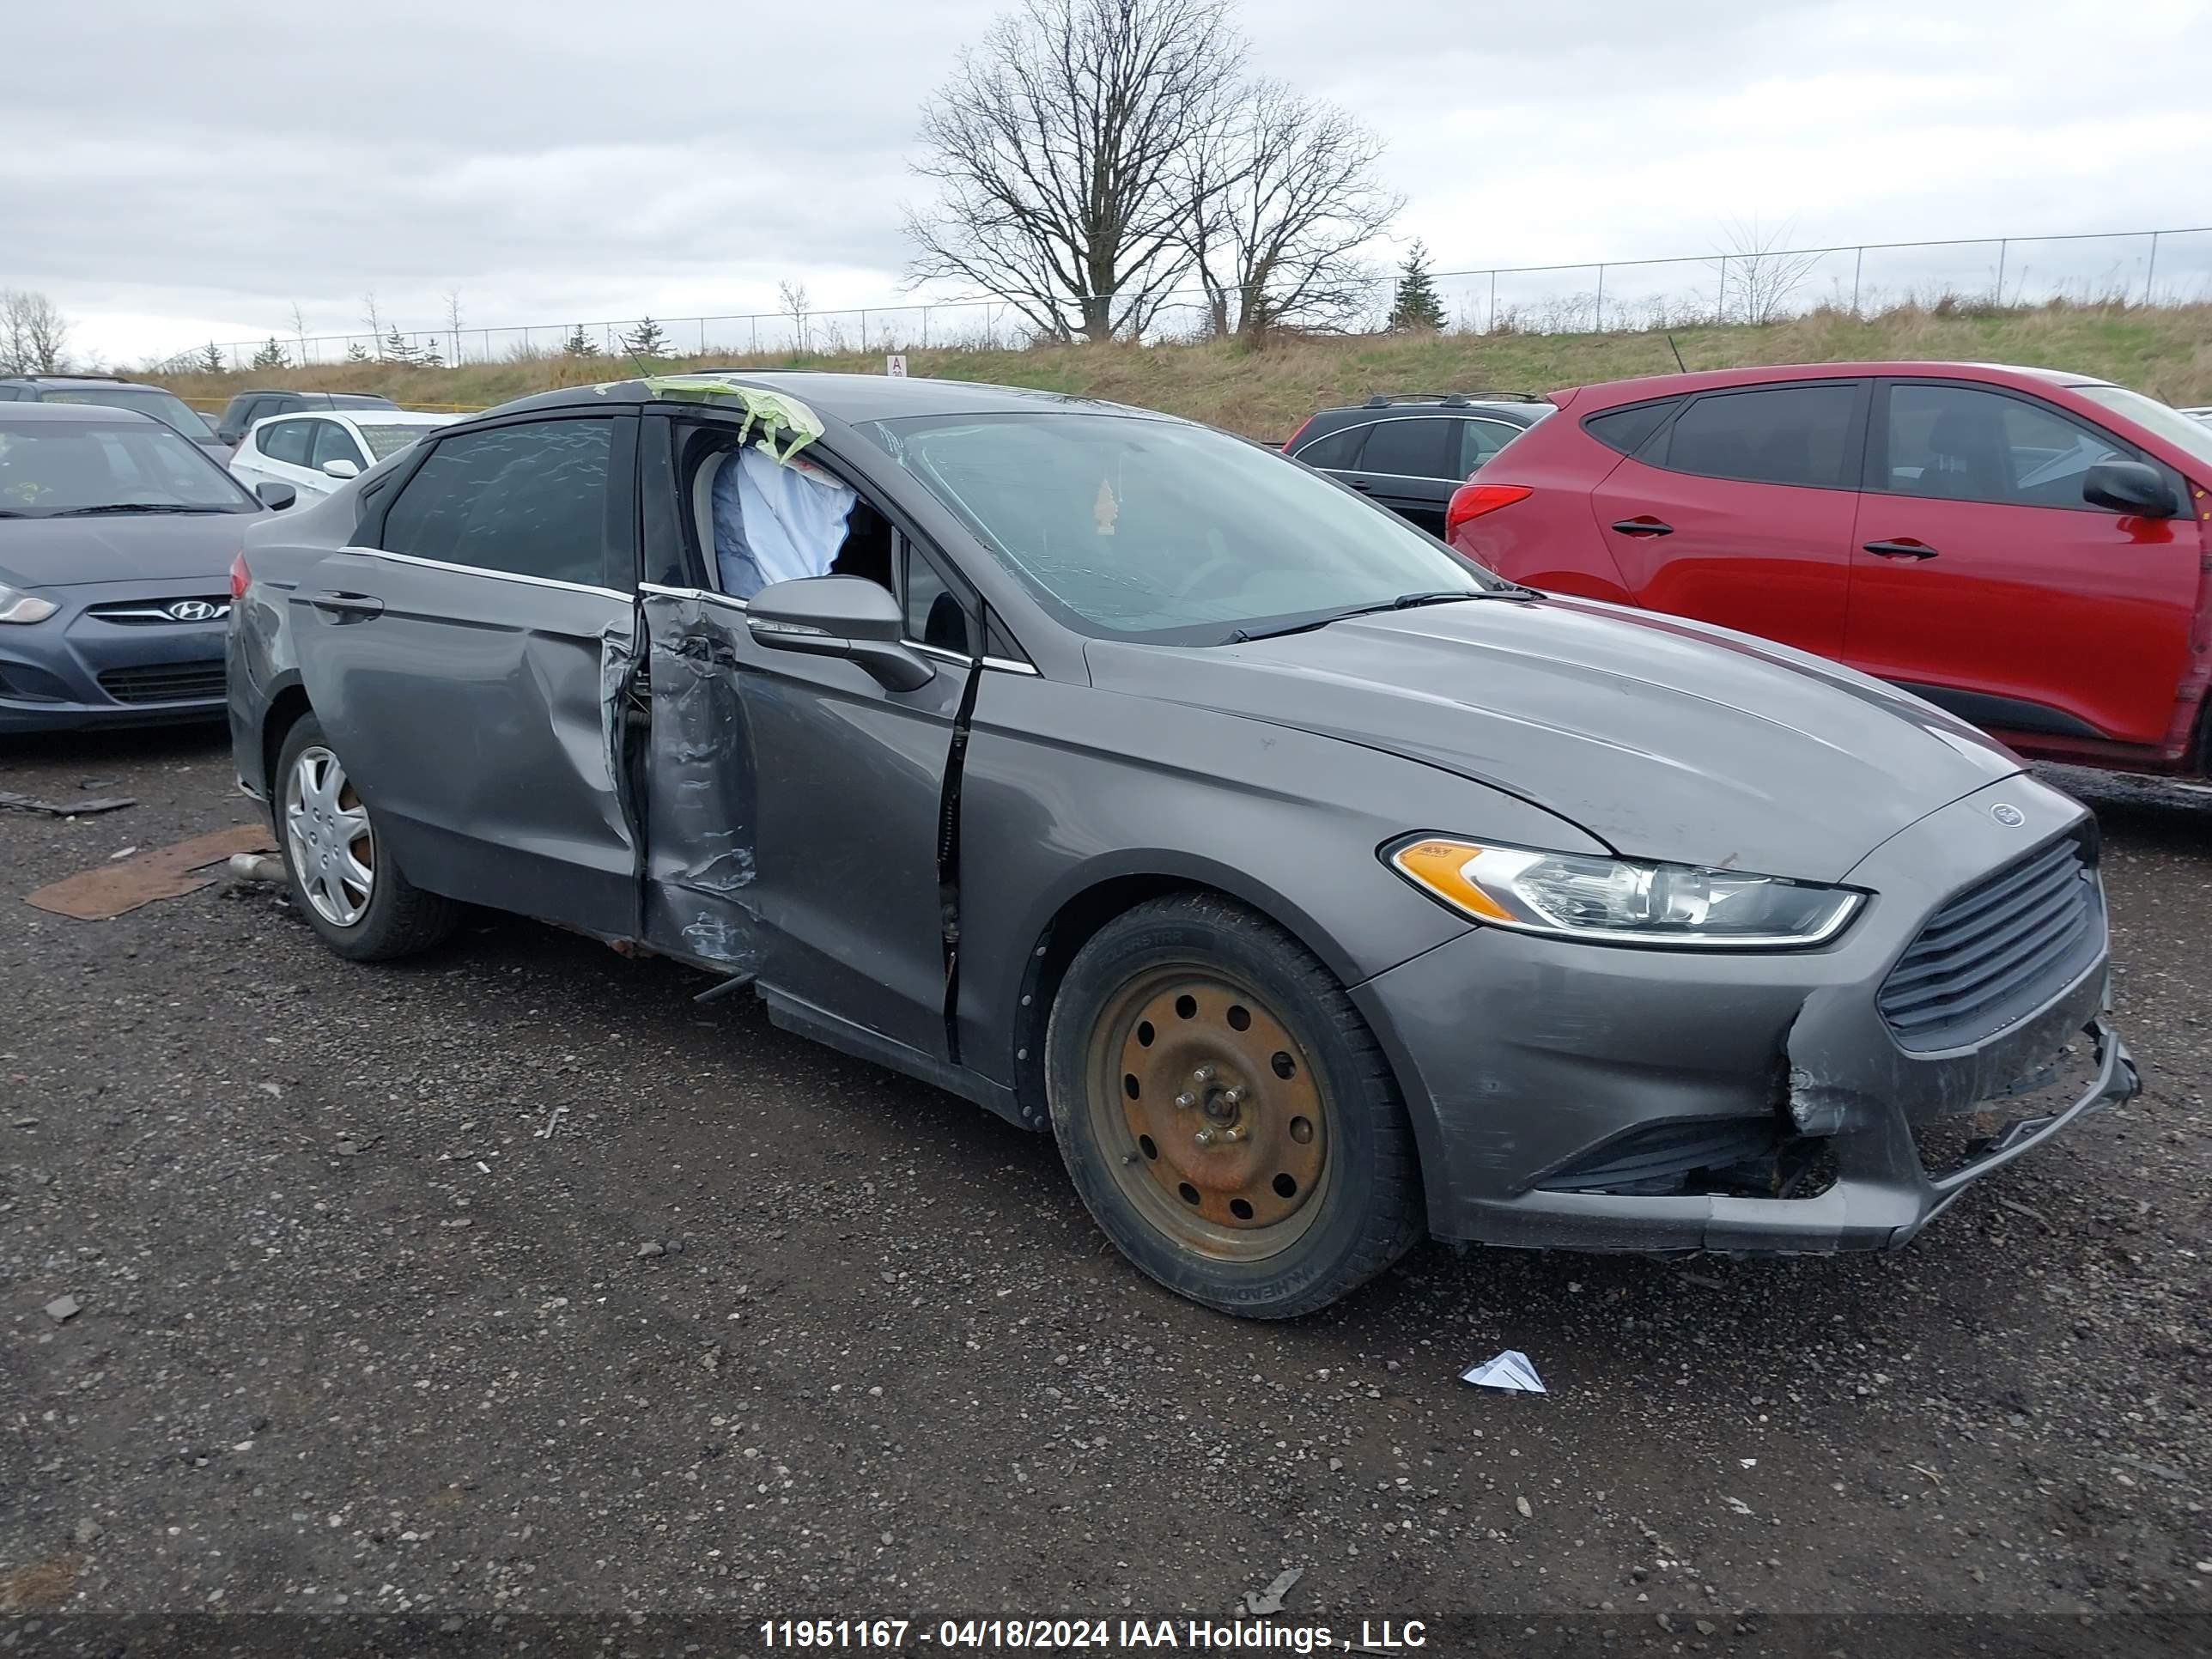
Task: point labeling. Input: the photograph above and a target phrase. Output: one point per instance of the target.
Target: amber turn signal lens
(1439, 865)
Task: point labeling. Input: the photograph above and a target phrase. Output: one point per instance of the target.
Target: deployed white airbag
(774, 521)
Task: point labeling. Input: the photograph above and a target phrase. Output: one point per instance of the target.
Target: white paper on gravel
(1510, 1371)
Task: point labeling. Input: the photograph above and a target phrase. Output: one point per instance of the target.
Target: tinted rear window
(1412, 448)
(1784, 435)
(529, 499)
(1625, 429)
(1339, 450)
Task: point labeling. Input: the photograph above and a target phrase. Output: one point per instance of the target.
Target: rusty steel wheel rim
(1212, 1117)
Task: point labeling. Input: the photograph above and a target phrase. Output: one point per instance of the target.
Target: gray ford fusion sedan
(1315, 889)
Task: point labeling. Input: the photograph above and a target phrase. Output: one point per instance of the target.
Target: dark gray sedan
(1317, 890)
(117, 537)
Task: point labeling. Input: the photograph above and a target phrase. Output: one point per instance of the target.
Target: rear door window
(528, 500)
(1414, 447)
(287, 441)
(1965, 443)
(1783, 435)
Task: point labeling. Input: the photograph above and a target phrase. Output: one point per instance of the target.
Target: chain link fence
(2149, 267)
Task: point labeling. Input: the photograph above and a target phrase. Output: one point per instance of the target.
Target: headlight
(16, 606)
(1623, 901)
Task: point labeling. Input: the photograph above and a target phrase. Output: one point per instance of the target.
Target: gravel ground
(510, 1282)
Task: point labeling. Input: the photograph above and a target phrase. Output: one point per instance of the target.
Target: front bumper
(1522, 1057)
(79, 668)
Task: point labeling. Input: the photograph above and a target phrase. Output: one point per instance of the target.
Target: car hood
(144, 547)
(1662, 737)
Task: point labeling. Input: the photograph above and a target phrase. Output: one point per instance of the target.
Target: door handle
(1364, 488)
(1643, 525)
(1901, 549)
(359, 606)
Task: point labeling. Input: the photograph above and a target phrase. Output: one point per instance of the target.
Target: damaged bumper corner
(1650, 1101)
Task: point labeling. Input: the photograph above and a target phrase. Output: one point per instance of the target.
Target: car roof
(849, 397)
(101, 414)
(374, 415)
(1668, 386)
(342, 399)
(76, 380)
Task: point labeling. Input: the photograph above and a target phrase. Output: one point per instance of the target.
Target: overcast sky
(171, 173)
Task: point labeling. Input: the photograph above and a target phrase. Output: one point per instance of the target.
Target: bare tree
(1054, 147)
(1280, 199)
(453, 321)
(1758, 274)
(299, 332)
(33, 334)
(368, 315)
(791, 298)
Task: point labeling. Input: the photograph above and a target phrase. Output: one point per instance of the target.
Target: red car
(2026, 549)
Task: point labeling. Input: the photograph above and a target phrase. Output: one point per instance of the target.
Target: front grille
(167, 681)
(157, 611)
(1997, 951)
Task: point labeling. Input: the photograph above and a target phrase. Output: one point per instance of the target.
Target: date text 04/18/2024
(1097, 1634)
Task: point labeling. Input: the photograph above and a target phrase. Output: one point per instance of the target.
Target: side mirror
(275, 496)
(342, 468)
(232, 435)
(2130, 487)
(847, 617)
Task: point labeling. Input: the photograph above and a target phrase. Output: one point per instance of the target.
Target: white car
(2202, 411)
(316, 451)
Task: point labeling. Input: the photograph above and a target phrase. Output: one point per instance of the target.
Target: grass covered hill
(2166, 350)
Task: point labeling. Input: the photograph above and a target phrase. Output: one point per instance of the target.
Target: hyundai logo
(2008, 815)
(201, 610)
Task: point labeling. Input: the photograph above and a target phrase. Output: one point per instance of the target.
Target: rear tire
(341, 880)
(1227, 1116)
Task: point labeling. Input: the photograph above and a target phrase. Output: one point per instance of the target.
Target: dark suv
(1412, 451)
(247, 407)
(163, 404)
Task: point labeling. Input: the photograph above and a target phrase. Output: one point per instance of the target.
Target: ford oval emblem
(2008, 815)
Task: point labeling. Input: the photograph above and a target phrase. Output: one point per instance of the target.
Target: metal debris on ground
(1509, 1371)
(62, 1309)
(67, 809)
(164, 872)
(1259, 1604)
(257, 866)
(552, 1125)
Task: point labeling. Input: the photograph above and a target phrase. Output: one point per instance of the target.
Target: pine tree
(271, 355)
(579, 344)
(211, 361)
(646, 339)
(1416, 308)
(356, 352)
(428, 356)
(396, 348)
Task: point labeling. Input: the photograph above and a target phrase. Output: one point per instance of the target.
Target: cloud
(173, 172)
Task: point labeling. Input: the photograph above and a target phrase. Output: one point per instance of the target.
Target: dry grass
(2166, 350)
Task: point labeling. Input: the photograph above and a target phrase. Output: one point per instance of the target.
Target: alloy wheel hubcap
(1213, 1116)
(327, 835)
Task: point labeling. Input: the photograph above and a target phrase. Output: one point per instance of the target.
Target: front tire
(1227, 1116)
(348, 885)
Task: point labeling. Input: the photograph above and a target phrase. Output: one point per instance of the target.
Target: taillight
(1292, 442)
(239, 576)
(1472, 501)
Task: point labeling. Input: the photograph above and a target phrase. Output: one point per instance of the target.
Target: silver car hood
(1665, 738)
